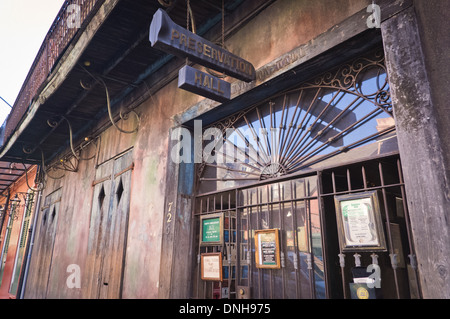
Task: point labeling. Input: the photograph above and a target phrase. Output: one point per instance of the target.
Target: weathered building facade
(17, 206)
(331, 159)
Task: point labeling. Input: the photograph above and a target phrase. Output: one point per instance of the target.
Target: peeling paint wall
(283, 26)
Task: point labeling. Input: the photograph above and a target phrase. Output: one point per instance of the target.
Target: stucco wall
(280, 28)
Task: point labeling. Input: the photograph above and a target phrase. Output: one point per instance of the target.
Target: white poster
(211, 267)
(358, 222)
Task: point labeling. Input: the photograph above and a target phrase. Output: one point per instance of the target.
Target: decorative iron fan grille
(337, 112)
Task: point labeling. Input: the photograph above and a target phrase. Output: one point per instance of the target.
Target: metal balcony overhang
(113, 47)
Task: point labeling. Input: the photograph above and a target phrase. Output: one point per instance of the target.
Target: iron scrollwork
(306, 125)
(350, 77)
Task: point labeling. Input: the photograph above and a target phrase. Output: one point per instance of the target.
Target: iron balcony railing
(70, 19)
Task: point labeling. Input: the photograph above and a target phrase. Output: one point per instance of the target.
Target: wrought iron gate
(281, 163)
(398, 267)
(291, 206)
(304, 211)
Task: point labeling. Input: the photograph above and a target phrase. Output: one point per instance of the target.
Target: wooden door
(108, 228)
(46, 241)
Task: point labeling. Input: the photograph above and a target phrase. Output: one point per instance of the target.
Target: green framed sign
(211, 229)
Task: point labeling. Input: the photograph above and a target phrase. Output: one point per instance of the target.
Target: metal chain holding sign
(188, 6)
(212, 72)
(223, 23)
(189, 16)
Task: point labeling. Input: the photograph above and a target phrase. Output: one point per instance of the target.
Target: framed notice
(359, 222)
(267, 249)
(211, 264)
(211, 229)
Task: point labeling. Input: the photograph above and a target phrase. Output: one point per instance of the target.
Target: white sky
(23, 27)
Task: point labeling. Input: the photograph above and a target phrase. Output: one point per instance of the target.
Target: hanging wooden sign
(169, 37)
(203, 84)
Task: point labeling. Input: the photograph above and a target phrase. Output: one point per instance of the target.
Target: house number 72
(169, 214)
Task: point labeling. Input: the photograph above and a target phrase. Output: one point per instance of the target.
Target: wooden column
(176, 249)
(422, 146)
